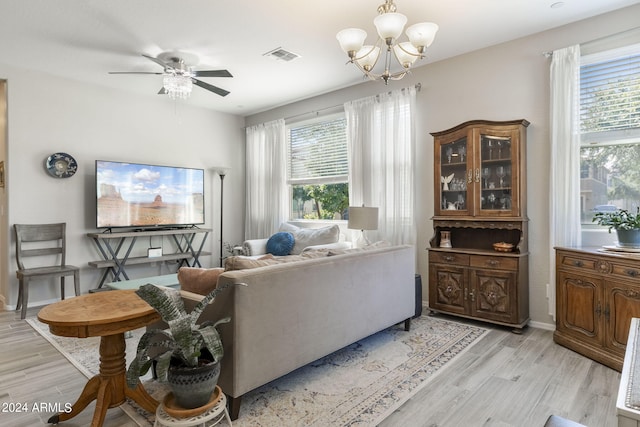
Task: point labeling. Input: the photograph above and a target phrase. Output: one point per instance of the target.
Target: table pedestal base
(108, 388)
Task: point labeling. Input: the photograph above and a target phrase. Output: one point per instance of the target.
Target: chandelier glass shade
(177, 86)
(389, 25)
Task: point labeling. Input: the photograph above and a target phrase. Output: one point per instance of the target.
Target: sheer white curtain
(564, 188)
(381, 143)
(266, 179)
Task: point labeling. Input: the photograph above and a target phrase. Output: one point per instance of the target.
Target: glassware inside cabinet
(453, 175)
(495, 171)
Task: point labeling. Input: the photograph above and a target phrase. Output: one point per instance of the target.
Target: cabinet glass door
(496, 175)
(454, 182)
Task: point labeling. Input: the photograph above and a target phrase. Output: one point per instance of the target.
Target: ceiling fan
(176, 66)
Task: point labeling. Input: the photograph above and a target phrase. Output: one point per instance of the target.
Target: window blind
(610, 99)
(318, 152)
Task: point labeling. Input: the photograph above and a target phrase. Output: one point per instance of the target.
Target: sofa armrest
(255, 247)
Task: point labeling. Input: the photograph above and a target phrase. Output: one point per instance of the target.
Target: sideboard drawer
(578, 262)
(448, 258)
(495, 262)
(626, 271)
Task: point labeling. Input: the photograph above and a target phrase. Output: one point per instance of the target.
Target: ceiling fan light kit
(179, 78)
(389, 25)
(177, 87)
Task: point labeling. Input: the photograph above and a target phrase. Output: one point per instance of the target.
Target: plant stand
(208, 418)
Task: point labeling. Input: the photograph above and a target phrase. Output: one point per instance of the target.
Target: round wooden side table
(210, 417)
(107, 315)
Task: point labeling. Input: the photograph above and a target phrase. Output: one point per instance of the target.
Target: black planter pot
(193, 387)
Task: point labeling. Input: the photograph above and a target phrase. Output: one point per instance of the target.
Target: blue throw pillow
(280, 244)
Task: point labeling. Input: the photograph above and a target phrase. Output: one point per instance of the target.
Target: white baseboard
(32, 304)
(542, 325)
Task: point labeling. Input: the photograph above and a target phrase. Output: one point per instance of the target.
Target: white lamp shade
(422, 34)
(390, 25)
(351, 39)
(363, 218)
(406, 54)
(368, 56)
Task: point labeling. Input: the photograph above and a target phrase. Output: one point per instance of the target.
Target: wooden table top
(98, 314)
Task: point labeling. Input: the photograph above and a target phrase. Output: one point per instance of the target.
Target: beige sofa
(293, 313)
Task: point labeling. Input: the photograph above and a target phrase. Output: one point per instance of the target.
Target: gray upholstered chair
(47, 241)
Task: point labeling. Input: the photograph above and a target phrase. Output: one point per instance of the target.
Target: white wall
(48, 114)
(504, 82)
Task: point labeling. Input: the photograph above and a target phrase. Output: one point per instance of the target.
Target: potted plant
(185, 349)
(626, 224)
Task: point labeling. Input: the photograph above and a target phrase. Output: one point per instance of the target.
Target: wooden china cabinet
(480, 199)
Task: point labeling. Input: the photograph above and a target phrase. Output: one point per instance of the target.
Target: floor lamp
(222, 172)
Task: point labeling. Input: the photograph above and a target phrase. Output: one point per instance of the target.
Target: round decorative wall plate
(61, 165)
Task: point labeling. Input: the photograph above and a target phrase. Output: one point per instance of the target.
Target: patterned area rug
(359, 385)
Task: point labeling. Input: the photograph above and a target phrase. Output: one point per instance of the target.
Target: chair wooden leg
(25, 298)
(19, 303)
(76, 282)
(62, 287)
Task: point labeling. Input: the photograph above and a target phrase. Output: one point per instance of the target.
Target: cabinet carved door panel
(623, 303)
(492, 294)
(449, 292)
(583, 306)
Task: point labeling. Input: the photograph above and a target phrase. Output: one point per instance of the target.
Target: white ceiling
(84, 39)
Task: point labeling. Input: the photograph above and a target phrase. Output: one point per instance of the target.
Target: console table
(116, 250)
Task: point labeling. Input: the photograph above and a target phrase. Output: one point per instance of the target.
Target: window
(317, 169)
(610, 132)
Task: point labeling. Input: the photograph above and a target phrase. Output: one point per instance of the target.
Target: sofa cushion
(199, 280)
(341, 251)
(244, 263)
(311, 236)
(280, 244)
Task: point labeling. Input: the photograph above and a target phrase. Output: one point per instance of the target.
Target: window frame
(629, 136)
(335, 179)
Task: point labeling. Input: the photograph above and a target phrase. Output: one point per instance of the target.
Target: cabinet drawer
(449, 258)
(626, 271)
(501, 263)
(578, 262)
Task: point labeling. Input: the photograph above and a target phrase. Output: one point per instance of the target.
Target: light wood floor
(505, 380)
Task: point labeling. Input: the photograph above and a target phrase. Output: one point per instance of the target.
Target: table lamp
(363, 218)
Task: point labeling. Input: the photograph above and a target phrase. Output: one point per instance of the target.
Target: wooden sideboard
(597, 294)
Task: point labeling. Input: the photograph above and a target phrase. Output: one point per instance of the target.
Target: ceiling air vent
(281, 55)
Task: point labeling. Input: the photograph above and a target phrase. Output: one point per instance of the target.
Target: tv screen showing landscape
(148, 196)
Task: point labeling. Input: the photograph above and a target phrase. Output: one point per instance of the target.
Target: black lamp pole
(222, 175)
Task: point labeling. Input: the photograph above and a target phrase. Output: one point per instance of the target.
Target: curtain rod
(418, 87)
(632, 31)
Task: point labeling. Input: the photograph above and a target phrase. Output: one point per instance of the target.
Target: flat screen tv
(148, 196)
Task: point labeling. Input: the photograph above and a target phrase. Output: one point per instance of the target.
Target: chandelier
(389, 25)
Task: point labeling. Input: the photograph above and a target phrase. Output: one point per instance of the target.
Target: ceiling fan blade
(212, 73)
(211, 88)
(159, 62)
(162, 91)
(134, 72)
